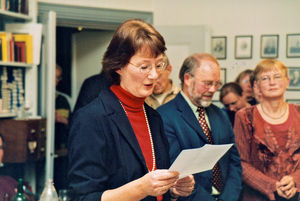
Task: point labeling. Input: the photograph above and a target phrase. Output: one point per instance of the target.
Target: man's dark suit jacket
(90, 89)
(184, 132)
(104, 152)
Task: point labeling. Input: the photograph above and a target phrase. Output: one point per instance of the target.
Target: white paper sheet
(191, 161)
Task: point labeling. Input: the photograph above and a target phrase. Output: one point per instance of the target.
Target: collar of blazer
(115, 112)
(188, 116)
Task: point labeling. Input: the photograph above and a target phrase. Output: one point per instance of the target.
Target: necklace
(150, 135)
(270, 116)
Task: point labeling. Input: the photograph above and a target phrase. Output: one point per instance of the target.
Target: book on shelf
(16, 47)
(33, 29)
(11, 89)
(4, 48)
(28, 43)
(2, 4)
(17, 6)
(20, 51)
(10, 47)
(0, 48)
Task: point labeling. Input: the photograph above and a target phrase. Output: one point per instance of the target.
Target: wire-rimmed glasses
(146, 68)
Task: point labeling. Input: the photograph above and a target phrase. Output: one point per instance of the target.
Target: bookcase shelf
(8, 115)
(14, 15)
(16, 64)
(21, 76)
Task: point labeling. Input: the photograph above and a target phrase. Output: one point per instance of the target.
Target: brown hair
(131, 36)
(269, 64)
(166, 60)
(243, 74)
(230, 87)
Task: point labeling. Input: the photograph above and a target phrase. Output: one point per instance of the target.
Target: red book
(20, 51)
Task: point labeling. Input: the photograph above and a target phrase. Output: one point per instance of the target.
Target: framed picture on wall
(294, 75)
(293, 45)
(243, 47)
(223, 75)
(269, 46)
(218, 46)
(295, 101)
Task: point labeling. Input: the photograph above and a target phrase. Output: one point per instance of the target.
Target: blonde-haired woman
(268, 138)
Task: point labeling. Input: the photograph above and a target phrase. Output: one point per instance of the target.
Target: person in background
(231, 95)
(191, 121)
(256, 92)
(8, 185)
(164, 88)
(62, 112)
(268, 138)
(90, 89)
(243, 79)
(117, 146)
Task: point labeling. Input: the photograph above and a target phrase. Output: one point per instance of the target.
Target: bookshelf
(18, 77)
(13, 15)
(16, 64)
(13, 21)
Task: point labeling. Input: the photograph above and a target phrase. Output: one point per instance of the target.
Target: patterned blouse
(268, 152)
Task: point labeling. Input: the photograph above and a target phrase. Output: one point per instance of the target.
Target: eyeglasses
(245, 81)
(146, 68)
(209, 84)
(266, 78)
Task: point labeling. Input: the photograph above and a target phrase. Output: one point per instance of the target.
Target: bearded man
(191, 121)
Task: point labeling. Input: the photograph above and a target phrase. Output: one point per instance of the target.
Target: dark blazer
(90, 89)
(184, 132)
(104, 152)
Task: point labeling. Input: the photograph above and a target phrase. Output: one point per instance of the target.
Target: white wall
(225, 18)
(88, 50)
(235, 17)
(140, 5)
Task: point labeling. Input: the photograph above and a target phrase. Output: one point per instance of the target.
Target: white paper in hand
(191, 161)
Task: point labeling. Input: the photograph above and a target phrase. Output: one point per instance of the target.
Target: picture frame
(223, 75)
(295, 101)
(243, 47)
(219, 46)
(269, 46)
(293, 45)
(294, 75)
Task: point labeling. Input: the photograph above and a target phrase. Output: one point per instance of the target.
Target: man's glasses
(146, 68)
(209, 84)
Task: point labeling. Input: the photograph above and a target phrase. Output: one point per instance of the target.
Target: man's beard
(198, 99)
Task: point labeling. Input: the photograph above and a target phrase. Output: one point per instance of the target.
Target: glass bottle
(6, 197)
(20, 196)
(49, 193)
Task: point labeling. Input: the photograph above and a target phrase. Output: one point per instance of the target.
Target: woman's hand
(183, 187)
(286, 187)
(158, 182)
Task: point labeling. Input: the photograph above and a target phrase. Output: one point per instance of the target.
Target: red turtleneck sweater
(135, 113)
(134, 110)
